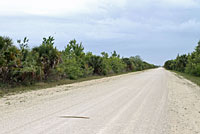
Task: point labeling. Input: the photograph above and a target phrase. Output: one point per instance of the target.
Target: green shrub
(24, 66)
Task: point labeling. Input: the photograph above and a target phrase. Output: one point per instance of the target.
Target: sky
(157, 30)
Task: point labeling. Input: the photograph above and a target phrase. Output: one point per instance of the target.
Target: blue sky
(157, 30)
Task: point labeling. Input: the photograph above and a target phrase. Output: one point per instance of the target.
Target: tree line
(21, 65)
(187, 63)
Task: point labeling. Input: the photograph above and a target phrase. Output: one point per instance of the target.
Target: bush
(21, 65)
(186, 63)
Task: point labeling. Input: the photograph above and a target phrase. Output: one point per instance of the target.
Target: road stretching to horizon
(148, 102)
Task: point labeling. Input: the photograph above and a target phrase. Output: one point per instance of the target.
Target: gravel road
(150, 102)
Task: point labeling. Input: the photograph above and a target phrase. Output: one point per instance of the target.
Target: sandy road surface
(135, 103)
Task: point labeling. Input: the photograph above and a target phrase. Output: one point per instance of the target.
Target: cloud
(44, 7)
(57, 7)
(190, 24)
(181, 3)
(187, 26)
(71, 7)
(165, 3)
(145, 27)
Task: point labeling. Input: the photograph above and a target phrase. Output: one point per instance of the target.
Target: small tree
(73, 63)
(48, 56)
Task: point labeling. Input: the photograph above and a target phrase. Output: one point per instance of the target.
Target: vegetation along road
(155, 101)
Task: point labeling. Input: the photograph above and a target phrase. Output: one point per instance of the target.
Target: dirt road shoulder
(184, 105)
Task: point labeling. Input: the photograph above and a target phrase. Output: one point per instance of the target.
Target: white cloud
(55, 7)
(71, 7)
(106, 22)
(181, 3)
(164, 3)
(188, 26)
(43, 7)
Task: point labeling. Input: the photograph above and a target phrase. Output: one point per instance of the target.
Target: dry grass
(8, 90)
(192, 78)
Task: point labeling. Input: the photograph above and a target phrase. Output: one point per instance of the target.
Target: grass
(7, 90)
(190, 77)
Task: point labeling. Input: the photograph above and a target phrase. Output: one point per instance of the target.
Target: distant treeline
(188, 63)
(22, 65)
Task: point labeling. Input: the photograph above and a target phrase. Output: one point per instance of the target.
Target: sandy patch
(184, 106)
